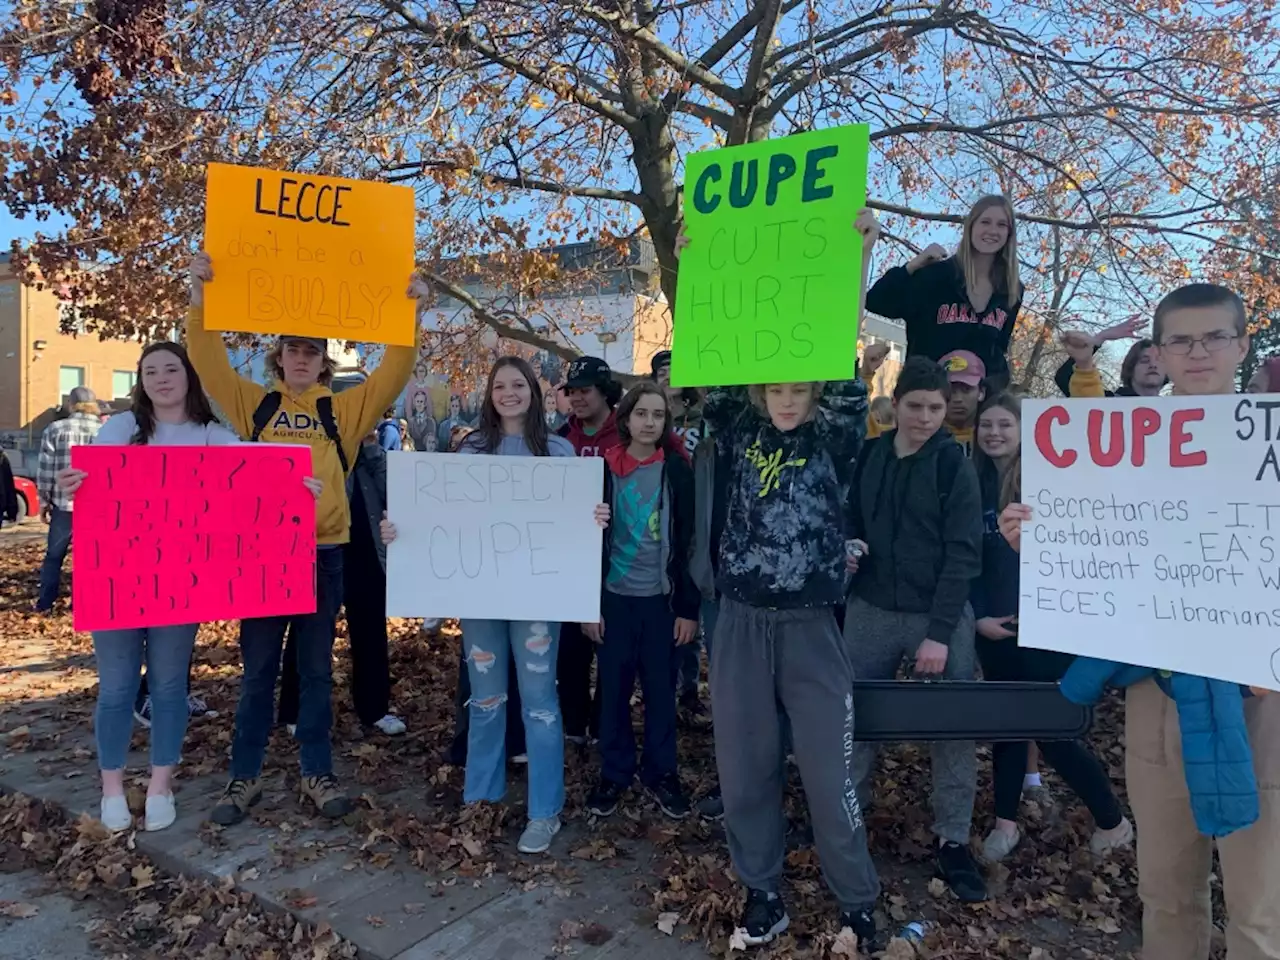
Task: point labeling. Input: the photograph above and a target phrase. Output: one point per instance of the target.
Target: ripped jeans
(533, 645)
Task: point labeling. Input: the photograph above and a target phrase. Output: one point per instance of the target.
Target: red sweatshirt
(595, 444)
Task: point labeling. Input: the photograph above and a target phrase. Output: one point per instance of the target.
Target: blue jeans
(488, 644)
(261, 641)
(120, 653)
(639, 638)
(54, 556)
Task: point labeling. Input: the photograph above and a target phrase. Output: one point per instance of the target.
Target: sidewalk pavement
(366, 889)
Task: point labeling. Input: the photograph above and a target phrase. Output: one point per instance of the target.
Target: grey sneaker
(999, 845)
(1104, 841)
(538, 835)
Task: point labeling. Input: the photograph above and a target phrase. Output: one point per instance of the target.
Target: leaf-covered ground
(1051, 900)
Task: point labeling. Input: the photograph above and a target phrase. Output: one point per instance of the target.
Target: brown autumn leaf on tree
(1126, 137)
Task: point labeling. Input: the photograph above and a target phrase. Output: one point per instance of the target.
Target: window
(69, 378)
(121, 384)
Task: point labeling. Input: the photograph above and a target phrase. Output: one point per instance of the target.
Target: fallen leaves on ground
(159, 915)
(17, 910)
(1052, 896)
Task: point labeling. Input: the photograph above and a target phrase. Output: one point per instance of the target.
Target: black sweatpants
(1074, 760)
(364, 594)
(579, 709)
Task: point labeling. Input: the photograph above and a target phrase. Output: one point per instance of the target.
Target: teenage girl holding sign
(169, 409)
(512, 425)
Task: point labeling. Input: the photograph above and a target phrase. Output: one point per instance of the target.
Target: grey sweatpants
(765, 663)
(877, 642)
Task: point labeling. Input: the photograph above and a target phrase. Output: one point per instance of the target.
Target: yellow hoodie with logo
(1086, 383)
(964, 437)
(297, 421)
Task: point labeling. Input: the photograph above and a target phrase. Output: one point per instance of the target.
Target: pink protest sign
(169, 535)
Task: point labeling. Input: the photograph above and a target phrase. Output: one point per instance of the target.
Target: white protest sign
(1155, 533)
(495, 538)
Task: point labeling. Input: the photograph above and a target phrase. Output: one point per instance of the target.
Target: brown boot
(325, 793)
(235, 801)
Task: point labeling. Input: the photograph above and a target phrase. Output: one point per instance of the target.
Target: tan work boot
(325, 793)
(235, 801)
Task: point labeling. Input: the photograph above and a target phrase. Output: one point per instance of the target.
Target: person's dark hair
(197, 404)
(488, 432)
(1200, 295)
(921, 373)
(628, 404)
(389, 413)
(612, 393)
(1131, 359)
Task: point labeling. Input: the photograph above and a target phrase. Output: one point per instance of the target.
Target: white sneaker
(197, 708)
(391, 725)
(999, 845)
(114, 814)
(143, 714)
(161, 812)
(520, 759)
(291, 729)
(1104, 841)
(538, 835)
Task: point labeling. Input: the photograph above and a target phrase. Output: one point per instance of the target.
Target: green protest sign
(768, 286)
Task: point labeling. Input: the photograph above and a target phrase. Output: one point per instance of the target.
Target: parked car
(28, 498)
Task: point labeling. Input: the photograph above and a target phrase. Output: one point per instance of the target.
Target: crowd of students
(800, 534)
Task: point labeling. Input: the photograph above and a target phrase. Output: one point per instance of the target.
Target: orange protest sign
(305, 254)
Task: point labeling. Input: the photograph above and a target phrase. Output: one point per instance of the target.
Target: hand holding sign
(869, 228)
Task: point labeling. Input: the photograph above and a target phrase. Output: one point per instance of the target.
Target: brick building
(39, 364)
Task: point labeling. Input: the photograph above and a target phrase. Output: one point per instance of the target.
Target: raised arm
(359, 408)
(237, 396)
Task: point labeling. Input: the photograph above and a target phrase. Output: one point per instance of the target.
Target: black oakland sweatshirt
(939, 318)
(921, 518)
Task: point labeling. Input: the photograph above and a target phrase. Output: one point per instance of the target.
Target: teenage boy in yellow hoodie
(300, 408)
(1201, 334)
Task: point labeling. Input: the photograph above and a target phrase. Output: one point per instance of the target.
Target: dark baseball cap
(320, 343)
(588, 372)
(660, 359)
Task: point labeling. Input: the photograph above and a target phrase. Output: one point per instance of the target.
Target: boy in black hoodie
(916, 511)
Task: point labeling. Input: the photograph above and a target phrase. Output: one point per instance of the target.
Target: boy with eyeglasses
(1201, 333)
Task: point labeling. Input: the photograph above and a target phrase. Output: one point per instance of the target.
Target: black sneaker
(961, 872)
(863, 925)
(691, 713)
(763, 918)
(670, 797)
(604, 798)
(711, 807)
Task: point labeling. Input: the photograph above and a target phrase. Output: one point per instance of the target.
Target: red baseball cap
(964, 367)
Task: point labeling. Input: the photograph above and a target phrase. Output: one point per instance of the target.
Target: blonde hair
(328, 367)
(1004, 269)
(755, 393)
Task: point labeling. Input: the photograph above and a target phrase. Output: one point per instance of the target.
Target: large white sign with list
(497, 538)
(1155, 533)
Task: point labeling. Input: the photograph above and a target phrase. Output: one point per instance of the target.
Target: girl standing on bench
(995, 605)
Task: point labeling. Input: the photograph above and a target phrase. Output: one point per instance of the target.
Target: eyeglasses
(1215, 342)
